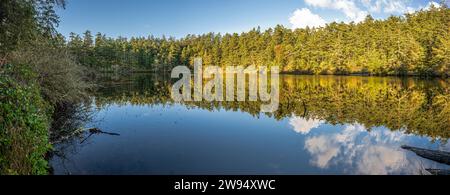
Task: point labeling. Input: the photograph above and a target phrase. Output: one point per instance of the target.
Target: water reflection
(304, 126)
(420, 107)
(377, 152)
(325, 125)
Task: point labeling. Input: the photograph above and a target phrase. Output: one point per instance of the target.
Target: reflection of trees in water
(63, 151)
(420, 107)
(68, 130)
(68, 119)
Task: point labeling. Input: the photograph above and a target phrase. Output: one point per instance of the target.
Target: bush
(60, 78)
(24, 123)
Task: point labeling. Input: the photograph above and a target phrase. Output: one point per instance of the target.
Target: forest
(413, 44)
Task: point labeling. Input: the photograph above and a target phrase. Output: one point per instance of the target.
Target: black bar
(308, 185)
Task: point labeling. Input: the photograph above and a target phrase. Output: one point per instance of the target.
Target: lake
(324, 125)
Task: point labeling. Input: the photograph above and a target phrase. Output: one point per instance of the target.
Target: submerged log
(438, 172)
(437, 156)
(67, 137)
(92, 131)
(98, 131)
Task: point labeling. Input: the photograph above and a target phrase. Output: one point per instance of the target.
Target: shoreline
(307, 74)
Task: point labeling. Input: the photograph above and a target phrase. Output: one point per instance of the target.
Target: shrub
(24, 123)
(60, 78)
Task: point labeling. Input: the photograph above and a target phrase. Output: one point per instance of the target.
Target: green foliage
(24, 122)
(22, 20)
(39, 76)
(409, 45)
(60, 78)
(16, 24)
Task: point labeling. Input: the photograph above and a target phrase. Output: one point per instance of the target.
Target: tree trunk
(438, 171)
(437, 156)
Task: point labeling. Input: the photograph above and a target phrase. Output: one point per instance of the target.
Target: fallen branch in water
(67, 137)
(94, 131)
(437, 156)
(91, 131)
(98, 131)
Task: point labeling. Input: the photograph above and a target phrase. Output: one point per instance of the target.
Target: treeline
(413, 44)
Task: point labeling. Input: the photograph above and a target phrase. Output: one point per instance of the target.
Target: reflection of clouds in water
(322, 149)
(327, 147)
(445, 147)
(382, 160)
(304, 126)
(360, 152)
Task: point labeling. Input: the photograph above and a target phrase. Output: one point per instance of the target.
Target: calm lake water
(325, 125)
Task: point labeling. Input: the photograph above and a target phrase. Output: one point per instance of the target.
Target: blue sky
(181, 17)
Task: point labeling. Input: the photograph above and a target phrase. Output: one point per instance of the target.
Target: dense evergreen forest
(413, 44)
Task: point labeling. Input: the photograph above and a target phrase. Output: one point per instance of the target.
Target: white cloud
(397, 6)
(410, 10)
(373, 6)
(386, 6)
(432, 3)
(302, 18)
(357, 10)
(319, 3)
(393, 6)
(304, 126)
(348, 7)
